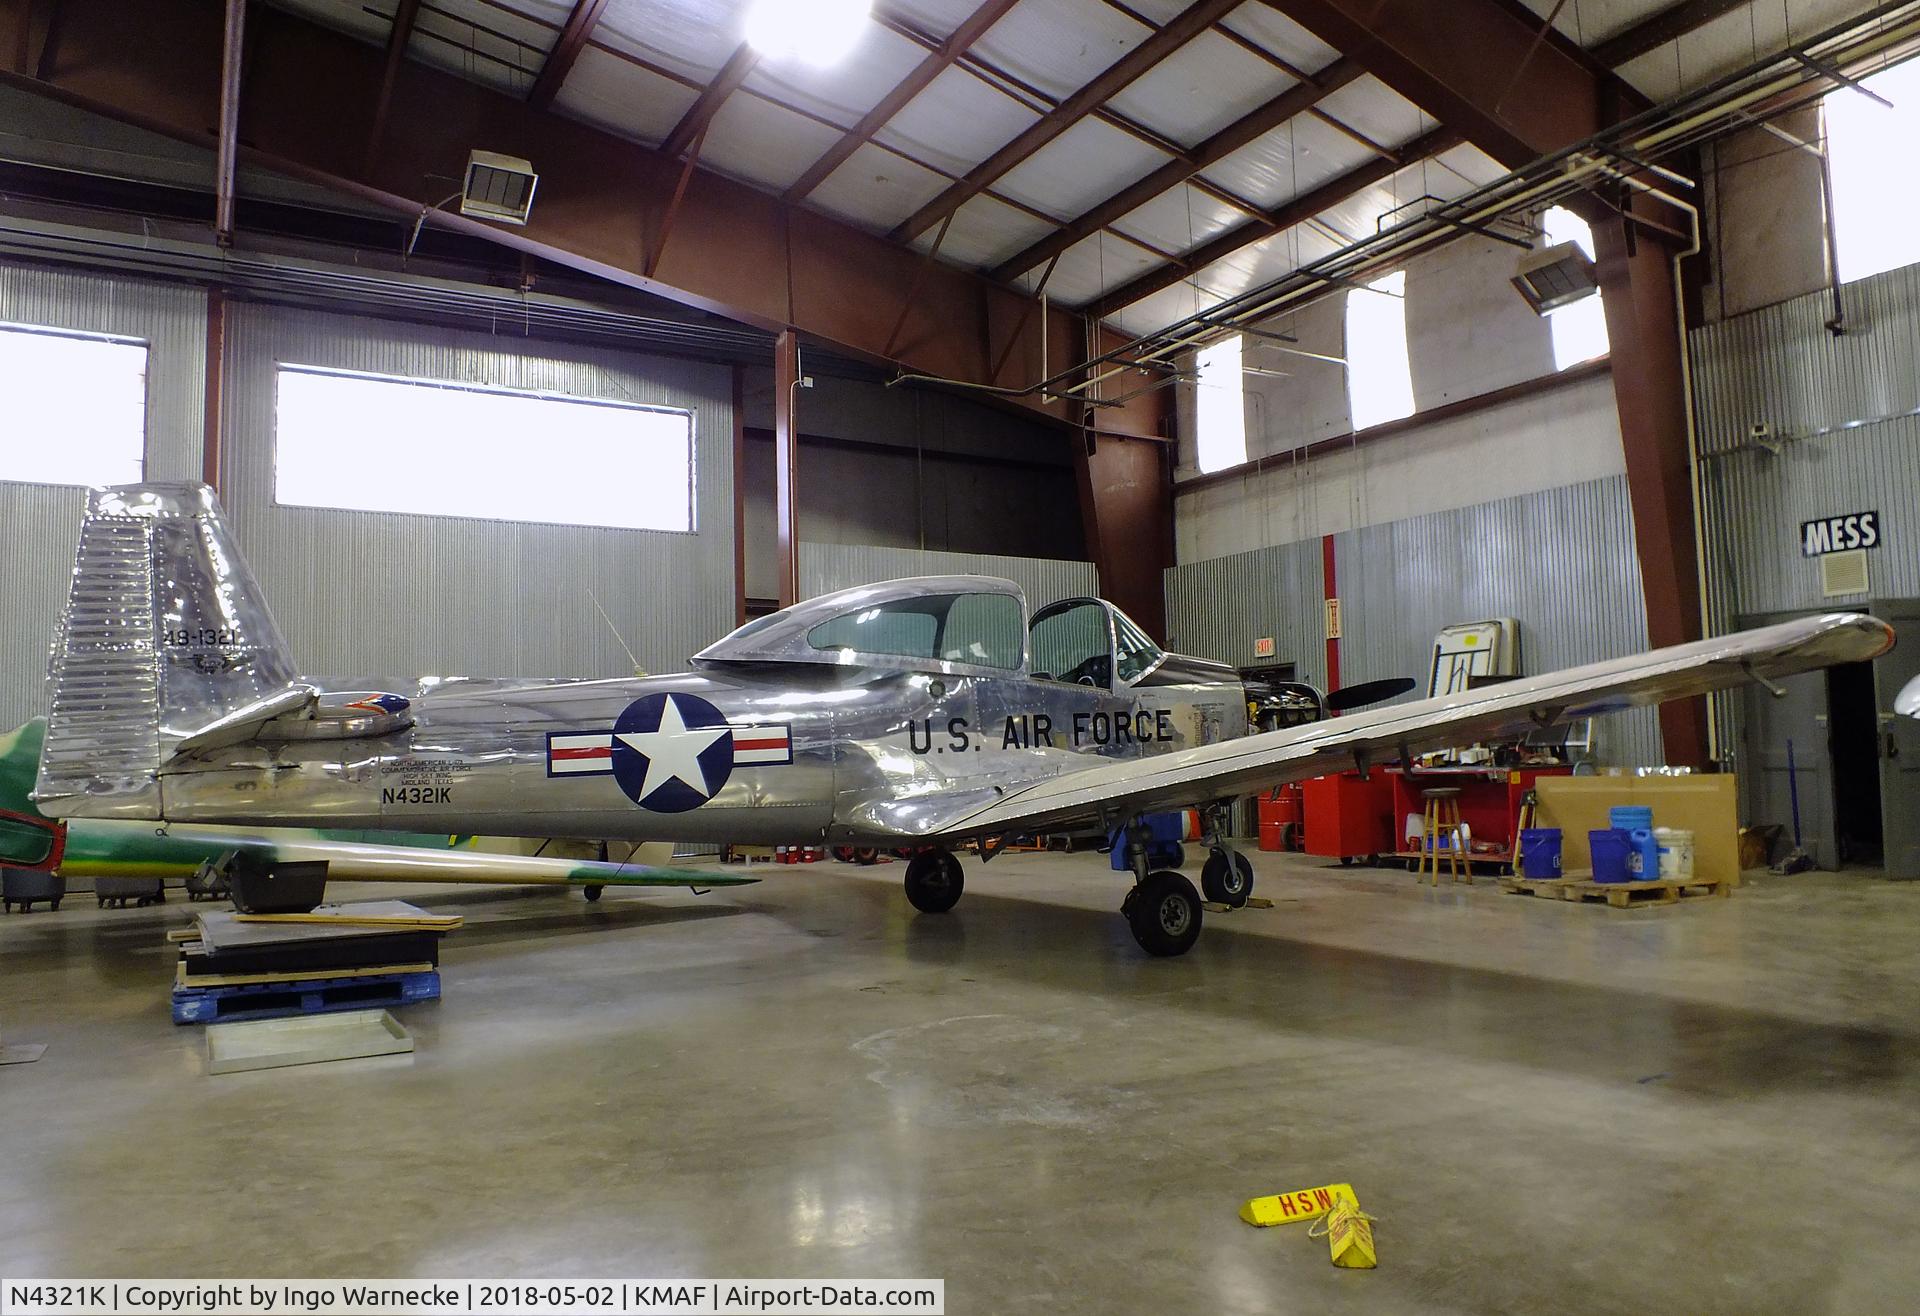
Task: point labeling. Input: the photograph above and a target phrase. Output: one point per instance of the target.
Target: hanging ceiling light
(817, 32)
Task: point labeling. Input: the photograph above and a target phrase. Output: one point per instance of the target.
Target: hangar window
(1580, 328)
(79, 402)
(438, 448)
(1874, 194)
(1379, 375)
(1219, 406)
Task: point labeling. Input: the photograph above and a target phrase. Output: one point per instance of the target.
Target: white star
(673, 751)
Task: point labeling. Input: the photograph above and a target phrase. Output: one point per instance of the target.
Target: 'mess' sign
(1838, 534)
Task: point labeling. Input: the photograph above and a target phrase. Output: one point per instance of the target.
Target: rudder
(165, 631)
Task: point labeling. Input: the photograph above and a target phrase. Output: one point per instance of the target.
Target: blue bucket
(1609, 847)
(1540, 852)
(1630, 817)
(1643, 860)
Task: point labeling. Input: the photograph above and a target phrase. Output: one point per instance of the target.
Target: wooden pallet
(206, 1005)
(1621, 895)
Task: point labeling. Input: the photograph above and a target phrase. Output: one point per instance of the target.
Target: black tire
(1227, 878)
(1164, 914)
(55, 906)
(1346, 861)
(844, 853)
(934, 882)
(593, 892)
(866, 857)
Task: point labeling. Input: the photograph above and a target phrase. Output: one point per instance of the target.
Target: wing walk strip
(1249, 762)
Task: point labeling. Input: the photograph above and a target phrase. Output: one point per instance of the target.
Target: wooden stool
(1442, 815)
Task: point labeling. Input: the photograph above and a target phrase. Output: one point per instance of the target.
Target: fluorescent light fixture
(498, 187)
(818, 32)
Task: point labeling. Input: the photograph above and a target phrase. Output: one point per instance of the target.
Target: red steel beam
(737, 252)
(693, 124)
(1656, 30)
(1126, 504)
(1297, 211)
(938, 61)
(397, 39)
(1119, 75)
(786, 460)
(1250, 127)
(566, 50)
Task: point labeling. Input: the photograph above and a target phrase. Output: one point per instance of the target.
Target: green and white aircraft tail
(103, 847)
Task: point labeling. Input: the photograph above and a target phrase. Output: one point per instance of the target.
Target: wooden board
(181, 978)
(1620, 895)
(363, 913)
(1706, 804)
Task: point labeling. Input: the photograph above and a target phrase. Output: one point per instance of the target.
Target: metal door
(1899, 741)
(1767, 724)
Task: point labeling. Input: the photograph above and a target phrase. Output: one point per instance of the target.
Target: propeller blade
(1368, 692)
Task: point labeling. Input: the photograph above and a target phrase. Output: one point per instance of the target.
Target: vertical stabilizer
(164, 632)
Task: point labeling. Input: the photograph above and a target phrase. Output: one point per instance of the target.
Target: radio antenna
(615, 629)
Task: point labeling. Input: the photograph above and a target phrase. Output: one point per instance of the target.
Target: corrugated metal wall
(39, 523)
(388, 594)
(1844, 410)
(827, 567)
(1401, 581)
(1218, 607)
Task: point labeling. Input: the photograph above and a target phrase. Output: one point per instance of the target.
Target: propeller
(1368, 692)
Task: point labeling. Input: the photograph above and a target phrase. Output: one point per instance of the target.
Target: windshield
(980, 629)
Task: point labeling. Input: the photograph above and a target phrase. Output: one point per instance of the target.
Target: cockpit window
(1137, 653)
(1071, 643)
(979, 629)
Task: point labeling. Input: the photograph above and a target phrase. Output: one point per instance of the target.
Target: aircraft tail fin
(165, 632)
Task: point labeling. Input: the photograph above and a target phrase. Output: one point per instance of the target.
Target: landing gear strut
(934, 881)
(1227, 877)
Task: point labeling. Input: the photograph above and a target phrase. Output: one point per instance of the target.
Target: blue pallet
(275, 1000)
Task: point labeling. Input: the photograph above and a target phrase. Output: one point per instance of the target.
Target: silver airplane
(921, 714)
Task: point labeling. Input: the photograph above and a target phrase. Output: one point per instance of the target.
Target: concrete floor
(1709, 1107)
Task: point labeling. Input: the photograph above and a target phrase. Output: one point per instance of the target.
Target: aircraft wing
(1110, 792)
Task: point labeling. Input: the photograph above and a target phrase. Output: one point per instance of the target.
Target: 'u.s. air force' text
(1040, 731)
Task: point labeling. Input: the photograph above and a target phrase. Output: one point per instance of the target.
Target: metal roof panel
(1078, 169)
(1377, 112)
(984, 233)
(1298, 155)
(1200, 89)
(691, 37)
(1180, 219)
(1274, 31)
(957, 122)
(623, 98)
(877, 189)
(1059, 46)
(766, 145)
(848, 89)
(1094, 264)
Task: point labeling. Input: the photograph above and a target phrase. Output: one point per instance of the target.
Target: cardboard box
(1706, 804)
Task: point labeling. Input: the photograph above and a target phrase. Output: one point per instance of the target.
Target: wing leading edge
(1234, 767)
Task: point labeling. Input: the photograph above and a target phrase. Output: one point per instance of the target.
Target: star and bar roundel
(668, 752)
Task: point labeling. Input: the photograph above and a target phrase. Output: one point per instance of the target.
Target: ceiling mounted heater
(1556, 277)
(498, 187)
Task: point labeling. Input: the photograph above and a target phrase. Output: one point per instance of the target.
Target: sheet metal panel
(956, 122)
(939, 18)
(482, 43)
(827, 567)
(847, 89)
(1092, 265)
(1201, 88)
(693, 37)
(984, 232)
(1180, 219)
(876, 189)
(1780, 367)
(756, 140)
(1079, 169)
(1401, 581)
(1731, 42)
(369, 592)
(1274, 31)
(1296, 157)
(623, 98)
(1218, 607)
(39, 523)
(1377, 112)
(1060, 46)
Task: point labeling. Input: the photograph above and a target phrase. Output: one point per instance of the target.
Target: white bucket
(1676, 851)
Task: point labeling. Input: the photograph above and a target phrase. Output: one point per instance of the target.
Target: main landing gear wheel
(1227, 878)
(934, 881)
(1164, 914)
(593, 892)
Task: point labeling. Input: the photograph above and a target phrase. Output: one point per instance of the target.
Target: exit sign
(1263, 647)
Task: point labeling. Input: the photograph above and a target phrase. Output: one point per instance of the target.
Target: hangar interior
(558, 338)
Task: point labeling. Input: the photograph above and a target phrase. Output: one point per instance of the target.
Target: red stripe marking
(596, 752)
(781, 743)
